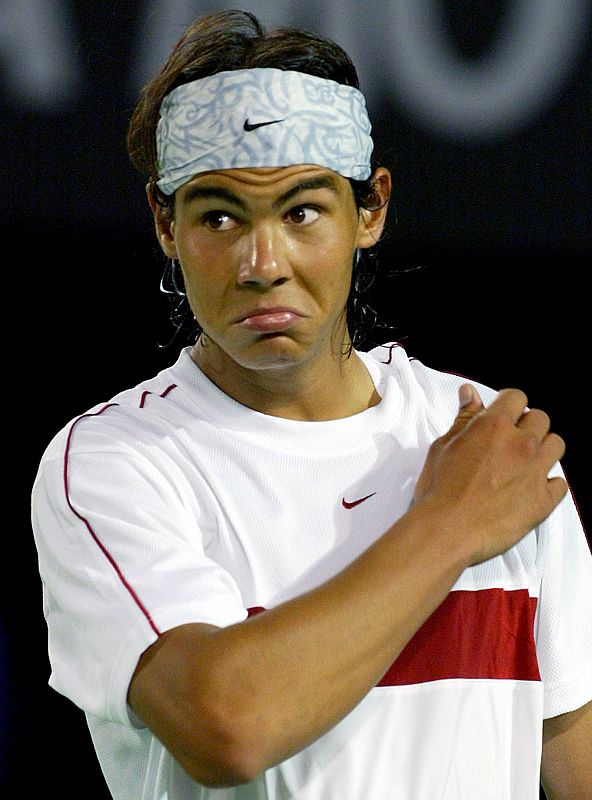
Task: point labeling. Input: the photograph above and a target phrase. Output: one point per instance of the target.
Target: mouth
(269, 320)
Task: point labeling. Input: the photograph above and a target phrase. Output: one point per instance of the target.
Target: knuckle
(515, 396)
(499, 423)
(530, 444)
(541, 418)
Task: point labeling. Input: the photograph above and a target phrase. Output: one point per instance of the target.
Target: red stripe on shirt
(483, 634)
(473, 634)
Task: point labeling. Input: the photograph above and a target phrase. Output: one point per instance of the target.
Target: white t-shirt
(174, 504)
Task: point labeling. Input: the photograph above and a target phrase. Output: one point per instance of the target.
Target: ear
(164, 225)
(371, 222)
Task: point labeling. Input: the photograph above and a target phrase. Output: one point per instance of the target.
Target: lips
(269, 320)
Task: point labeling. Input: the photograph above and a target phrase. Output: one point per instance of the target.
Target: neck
(319, 389)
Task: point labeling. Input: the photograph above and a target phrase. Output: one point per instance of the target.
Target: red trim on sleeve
(146, 392)
(392, 346)
(89, 527)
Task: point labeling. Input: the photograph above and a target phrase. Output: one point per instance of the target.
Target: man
(286, 568)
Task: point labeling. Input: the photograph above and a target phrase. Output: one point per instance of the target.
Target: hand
(490, 471)
(470, 405)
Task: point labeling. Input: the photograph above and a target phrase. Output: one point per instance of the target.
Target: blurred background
(481, 110)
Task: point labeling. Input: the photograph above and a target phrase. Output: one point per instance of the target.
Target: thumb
(468, 395)
(470, 404)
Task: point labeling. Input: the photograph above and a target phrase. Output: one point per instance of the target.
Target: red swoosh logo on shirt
(355, 503)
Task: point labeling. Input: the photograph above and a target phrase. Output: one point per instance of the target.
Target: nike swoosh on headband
(248, 126)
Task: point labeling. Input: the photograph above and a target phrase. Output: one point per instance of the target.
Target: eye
(218, 221)
(303, 215)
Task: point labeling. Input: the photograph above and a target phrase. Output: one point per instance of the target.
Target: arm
(567, 755)
(229, 703)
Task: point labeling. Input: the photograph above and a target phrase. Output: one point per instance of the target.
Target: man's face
(267, 259)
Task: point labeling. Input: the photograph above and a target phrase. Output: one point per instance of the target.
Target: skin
(249, 237)
(297, 252)
(567, 755)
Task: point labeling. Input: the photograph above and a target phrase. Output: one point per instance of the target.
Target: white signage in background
(163, 23)
(528, 62)
(38, 55)
(401, 49)
(404, 55)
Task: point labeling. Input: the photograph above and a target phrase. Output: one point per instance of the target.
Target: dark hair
(236, 40)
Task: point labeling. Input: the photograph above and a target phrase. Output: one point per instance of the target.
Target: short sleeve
(122, 559)
(564, 611)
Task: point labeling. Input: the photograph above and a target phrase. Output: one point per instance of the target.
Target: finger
(557, 488)
(470, 404)
(469, 398)
(535, 421)
(512, 402)
(551, 451)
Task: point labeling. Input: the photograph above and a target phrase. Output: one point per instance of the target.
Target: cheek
(199, 259)
(335, 261)
(329, 284)
(202, 283)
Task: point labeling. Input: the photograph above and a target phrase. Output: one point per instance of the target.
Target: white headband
(261, 118)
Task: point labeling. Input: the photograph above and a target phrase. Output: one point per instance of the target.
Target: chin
(273, 351)
(275, 357)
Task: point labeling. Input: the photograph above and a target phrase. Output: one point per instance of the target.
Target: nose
(263, 261)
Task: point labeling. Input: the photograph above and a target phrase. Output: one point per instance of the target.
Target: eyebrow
(205, 192)
(217, 192)
(325, 182)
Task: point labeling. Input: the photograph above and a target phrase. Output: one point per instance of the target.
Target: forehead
(269, 182)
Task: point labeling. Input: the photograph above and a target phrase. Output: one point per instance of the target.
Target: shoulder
(435, 390)
(130, 416)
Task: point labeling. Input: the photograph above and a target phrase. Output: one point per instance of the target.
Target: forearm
(567, 755)
(265, 688)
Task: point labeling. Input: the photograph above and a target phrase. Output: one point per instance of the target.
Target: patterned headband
(261, 118)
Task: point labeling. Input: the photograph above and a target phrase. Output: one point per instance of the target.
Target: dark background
(489, 242)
